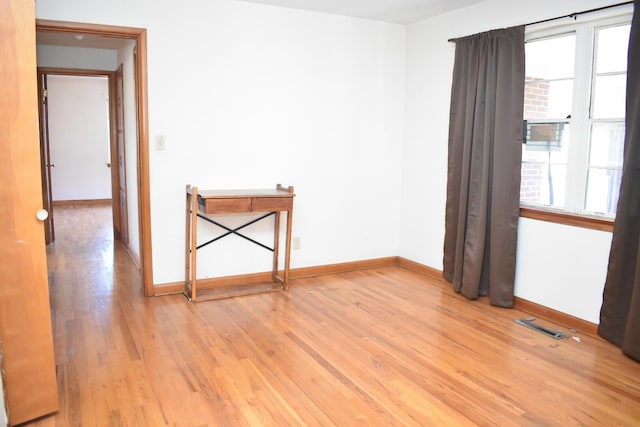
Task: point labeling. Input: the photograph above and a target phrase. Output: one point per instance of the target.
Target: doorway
(78, 120)
(77, 128)
(83, 141)
(98, 36)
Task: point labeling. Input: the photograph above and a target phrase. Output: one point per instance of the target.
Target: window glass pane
(560, 97)
(544, 172)
(552, 58)
(543, 184)
(532, 152)
(548, 99)
(609, 97)
(607, 145)
(613, 43)
(603, 187)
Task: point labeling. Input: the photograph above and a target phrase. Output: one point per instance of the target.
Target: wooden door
(25, 318)
(122, 227)
(46, 165)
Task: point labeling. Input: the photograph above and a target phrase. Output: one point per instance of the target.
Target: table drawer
(241, 204)
(268, 204)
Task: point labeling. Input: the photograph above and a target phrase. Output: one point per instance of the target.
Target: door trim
(139, 35)
(118, 173)
(45, 157)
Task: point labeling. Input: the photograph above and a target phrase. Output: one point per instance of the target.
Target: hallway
(82, 253)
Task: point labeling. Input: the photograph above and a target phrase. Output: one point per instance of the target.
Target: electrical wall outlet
(296, 243)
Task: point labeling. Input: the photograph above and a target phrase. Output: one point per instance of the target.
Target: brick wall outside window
(536, 100)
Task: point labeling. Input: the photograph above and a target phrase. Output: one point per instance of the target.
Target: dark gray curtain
(620, 313)
(483, 178)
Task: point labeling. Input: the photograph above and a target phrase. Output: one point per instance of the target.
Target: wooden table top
(230, 194)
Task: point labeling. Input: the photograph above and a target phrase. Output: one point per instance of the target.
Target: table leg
(191, 243)
(276, 246)
(187, 244)
(287, 254)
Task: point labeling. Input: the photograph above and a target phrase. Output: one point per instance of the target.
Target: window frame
(585, 29)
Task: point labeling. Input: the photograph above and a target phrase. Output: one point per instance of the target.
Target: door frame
(139, 35)
(45, 158)
(119, 171)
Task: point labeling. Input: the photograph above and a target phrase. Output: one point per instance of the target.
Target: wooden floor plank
(379, 347)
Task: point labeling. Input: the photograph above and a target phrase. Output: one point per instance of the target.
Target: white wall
(562, 267)
(558, 266)
(249, 95)
(79, 137)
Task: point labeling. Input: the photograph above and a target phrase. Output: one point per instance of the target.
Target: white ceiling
(397, 11)
(51, 38)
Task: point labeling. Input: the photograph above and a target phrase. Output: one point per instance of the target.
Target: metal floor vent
(529, 323)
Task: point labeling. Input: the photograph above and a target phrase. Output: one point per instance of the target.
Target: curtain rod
(573, 15)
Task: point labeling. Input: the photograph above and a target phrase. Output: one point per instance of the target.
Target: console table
(266, 202)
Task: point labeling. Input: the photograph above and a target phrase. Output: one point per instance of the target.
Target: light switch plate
(160, 143)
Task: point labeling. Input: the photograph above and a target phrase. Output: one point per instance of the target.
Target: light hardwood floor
(379, 347)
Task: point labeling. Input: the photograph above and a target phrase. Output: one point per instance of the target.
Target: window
(574, 110)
